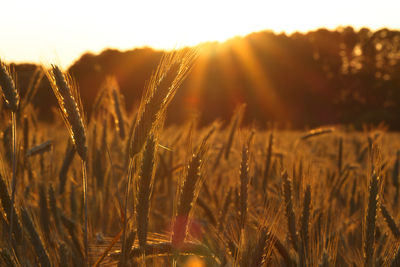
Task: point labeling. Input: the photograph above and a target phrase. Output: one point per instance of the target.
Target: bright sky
(50, 31)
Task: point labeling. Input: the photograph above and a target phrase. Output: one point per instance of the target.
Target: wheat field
(120, 189)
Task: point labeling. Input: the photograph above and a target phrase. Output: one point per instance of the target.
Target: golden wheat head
(67, 97)
(7, 84)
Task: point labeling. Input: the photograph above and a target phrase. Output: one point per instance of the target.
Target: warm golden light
(45, 31)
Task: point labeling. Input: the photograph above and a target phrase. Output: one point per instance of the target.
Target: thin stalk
(14, 166)
(123, 249)
(85, 231)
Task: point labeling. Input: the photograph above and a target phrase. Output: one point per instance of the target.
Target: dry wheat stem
(370, 221)
(11, 98)
(37, 243)
(67, 99)
(188, 195)
(125, 222)
(145, 187)
(290, 215)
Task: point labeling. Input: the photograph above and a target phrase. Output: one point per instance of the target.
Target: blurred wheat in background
(120, 188)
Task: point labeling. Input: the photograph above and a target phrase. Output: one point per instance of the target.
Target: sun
(66, 30)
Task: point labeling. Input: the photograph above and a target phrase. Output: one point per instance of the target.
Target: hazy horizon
(41, 32)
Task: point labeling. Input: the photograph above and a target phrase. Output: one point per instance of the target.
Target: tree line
(342, 76)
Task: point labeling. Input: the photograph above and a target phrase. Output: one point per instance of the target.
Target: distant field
(215, 196)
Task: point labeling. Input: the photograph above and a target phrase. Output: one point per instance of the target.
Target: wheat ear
(396, 260)
(68, 99)
(10, 92)
(261, 249)
(11, 98)
(390, 221)
(188, 195)
(290, 215)
(316, 132)
(69, 102)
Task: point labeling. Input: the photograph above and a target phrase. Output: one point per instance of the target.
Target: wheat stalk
(225, 209)
(11, 98)
(244, 185)
(145, 190)
(261, 250)
(396, 260)
(340, 156)
(8, 258)
(290, 215)
(390, 221)
(268, 162)
(188, 195)
(37, 243)
(161, 88)
(64, 255)
(69, 157)
(68, 99)
(54, 209)
(118, 113)
(370, 221)
(236, 121)
(9, 209)
(305, 217)
(44, 211)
